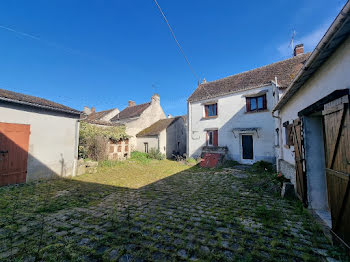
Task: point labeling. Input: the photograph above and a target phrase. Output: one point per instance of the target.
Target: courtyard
(159, 210)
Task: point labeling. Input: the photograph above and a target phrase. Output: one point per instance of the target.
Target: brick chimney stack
(93, 109)
(299, 49)
(131, 103)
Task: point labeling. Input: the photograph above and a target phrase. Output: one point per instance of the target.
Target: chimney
(299, 49)
(170, 116)
(155, 99)
(87, 110)
(93, 109)
(131, 103)
(204, 81)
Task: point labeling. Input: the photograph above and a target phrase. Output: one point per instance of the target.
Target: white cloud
(309, 40)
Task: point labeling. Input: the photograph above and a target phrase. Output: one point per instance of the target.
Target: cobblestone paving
(193, 216)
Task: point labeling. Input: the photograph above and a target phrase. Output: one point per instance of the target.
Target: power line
(177, 42)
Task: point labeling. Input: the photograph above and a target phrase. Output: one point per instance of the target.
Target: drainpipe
(280, 155)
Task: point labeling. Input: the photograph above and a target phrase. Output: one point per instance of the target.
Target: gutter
(40, 106)
(332, 30)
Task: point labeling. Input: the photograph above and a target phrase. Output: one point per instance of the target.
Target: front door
(247, 149)
(14, 142)
(336, 118)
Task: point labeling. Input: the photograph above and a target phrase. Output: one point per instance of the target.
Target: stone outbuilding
(38, 138)
(116, 150)
(138, 117)
(167, 135)
(314, 122)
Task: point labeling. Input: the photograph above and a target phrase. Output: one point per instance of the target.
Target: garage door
(14, 142)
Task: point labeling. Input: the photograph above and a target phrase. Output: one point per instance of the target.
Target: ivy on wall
(93, 139)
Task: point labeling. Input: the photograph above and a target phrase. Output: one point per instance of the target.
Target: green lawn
(133, 173)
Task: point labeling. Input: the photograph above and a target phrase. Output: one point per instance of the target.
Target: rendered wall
(232, 114)
(53, 140)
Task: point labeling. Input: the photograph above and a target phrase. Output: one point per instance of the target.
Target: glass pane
(253, 104)
(260, 102)
(212, 110)
(210, 140)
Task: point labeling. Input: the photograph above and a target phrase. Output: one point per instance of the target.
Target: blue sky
(104, 53)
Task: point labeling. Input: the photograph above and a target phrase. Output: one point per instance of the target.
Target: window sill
(209, 117)
(257, 111)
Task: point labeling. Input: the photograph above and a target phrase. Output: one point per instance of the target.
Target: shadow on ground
(196, 214)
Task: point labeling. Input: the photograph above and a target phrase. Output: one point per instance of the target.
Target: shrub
(155, 154)
(263, 166)
(139, 156)
(93, 140)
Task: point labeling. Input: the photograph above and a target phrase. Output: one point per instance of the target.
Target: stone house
(231, 117)
(167, 135)
(138, 117)
(313, 116)
(38, 138)
(116, 150)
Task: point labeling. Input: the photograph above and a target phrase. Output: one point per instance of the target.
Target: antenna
(291, 43)
(154, 86)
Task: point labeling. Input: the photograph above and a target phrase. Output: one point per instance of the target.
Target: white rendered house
(233, 115)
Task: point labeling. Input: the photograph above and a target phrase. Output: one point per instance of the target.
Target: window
(277, 142)
(126, 148)
(146, 147)
(256, 103)
(288, 128)
(212, 138)
(111, 149)
(211, 110)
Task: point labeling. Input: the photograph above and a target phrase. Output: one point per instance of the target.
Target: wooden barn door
(14, 141)
(337, 151)
(298, 142)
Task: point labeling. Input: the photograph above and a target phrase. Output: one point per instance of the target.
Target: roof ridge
(251, 70)
(35, 101)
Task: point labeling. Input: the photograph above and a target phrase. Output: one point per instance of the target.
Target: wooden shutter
(248, 104)
(207, 138)
(289, 135)
(206, 111)
(215, 138)
(297, 135)
(264, 102)
(337, 151)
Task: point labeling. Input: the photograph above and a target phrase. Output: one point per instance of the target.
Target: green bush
(139, 156)
(93, 140)
(155, 154)
(263, 166)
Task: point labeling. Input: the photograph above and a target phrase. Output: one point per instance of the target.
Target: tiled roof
(157, 127)
(10, 96)
(98, 115)
(131, 111)
(284, 70)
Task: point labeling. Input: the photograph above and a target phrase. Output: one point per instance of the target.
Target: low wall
(288, 170)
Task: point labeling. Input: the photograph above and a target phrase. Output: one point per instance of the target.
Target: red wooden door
(337, 148)
(14, 142)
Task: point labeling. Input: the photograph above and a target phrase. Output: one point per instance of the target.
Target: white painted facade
(333, 74)
(232, 116)
(173, 138)
(53, 140)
